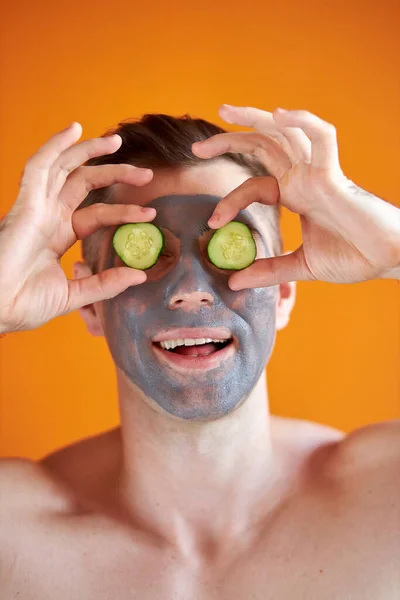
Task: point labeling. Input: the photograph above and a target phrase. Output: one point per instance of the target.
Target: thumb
(103, 286)
(266, 272)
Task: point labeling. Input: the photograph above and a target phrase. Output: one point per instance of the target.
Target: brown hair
(159, 141)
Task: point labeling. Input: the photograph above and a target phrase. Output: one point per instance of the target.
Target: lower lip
(186, 364)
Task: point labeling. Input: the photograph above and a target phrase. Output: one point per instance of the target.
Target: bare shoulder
(27, 487)
(364, 471)
(368, 456)
(378, 432)
(375, 446)
(303, 436)
(85, 463)
(366, 446)
(320, 432)
(85, 447)
(50, 483)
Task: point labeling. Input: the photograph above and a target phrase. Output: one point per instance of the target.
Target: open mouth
(196, 354)
(194, 347)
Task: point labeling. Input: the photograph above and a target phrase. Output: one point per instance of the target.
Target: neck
(192, 483)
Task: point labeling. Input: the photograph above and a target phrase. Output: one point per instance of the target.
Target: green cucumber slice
(138, 244)
(232, 247)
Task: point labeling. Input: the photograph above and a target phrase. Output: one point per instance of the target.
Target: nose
(190, 301)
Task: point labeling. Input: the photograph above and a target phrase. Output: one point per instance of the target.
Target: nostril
(190, 301)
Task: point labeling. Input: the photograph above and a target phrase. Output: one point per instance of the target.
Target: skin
(247, 505)
(184, 289)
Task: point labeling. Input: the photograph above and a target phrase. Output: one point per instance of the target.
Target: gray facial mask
(133, 318)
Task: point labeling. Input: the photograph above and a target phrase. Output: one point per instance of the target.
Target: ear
(90, 312)
(285, 302)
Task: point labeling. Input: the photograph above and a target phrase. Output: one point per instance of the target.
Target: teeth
(171, 344)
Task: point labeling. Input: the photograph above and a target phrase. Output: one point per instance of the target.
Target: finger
(324, 149)
(266, 272)
(85, 179)
(51, 150)
(267, 150)
(103, 286)
(293, 140)
(257, 189)
(75, 156)
(86, 221)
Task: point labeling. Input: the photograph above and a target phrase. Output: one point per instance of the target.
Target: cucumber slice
(138, 244)
(232, 247)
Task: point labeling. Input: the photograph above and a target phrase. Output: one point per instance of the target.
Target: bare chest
(322, 555)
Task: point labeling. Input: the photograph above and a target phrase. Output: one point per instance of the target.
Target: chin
(195, 401)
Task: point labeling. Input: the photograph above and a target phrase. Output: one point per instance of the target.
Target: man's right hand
(43, 224)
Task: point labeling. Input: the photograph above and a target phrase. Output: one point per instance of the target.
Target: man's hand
(45, 221)
(349, 235)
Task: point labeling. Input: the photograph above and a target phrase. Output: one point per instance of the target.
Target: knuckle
(302, 114)
(101, 210)
(132, 209)
(33, 164)
(256, 184)
(118, 169)
(222, 140)
(99, 143)
(248, 111)
(331, 129)
(125, 170)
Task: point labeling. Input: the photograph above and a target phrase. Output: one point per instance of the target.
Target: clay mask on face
(135, 317)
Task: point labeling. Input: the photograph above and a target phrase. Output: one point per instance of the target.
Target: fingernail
(197, 147)
(214, 218)
(148, 209)
(282, 109)
(141, 277)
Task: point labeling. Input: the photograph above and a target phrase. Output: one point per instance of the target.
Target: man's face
(187, 297)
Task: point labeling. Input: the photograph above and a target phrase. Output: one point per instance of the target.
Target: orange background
(101, 62)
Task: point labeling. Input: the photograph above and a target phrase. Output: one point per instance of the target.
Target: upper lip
(194, 333)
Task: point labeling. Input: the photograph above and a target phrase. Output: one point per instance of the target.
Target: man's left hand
(349, 235)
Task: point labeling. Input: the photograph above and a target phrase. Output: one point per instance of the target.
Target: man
(201, 493)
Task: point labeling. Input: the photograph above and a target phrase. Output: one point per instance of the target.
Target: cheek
(123, 326)
(256, 309)
(256, 306)
(135, 313)
(122, 315)
(239, 302)
(135, 301)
